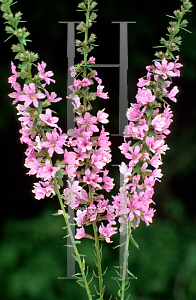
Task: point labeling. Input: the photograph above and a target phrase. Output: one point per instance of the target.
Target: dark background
(31, 252)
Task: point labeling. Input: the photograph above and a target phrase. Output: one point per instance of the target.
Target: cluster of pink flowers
(148, 124)
(32, 121)
(85, 149)
(86, 163)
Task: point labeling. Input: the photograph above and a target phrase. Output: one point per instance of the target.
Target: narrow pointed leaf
(118, 245)
(80, 283)
(24, 64)
(171, 17)
(8, 38)
(134, 242)
(153, 133)
(185, 29)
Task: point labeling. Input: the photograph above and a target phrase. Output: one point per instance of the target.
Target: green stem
(125, 262)
(66, 217)
(175, 30)
(98, 261)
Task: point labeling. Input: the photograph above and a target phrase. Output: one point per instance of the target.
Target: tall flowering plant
(84, 151)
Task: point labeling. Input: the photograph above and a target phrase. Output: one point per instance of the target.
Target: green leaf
(131, 274)
(158, 46)
(90, 280)
(34, 124)
(119, 293)
(149, 112)
(185, 29)
(162, 100)
(80, 283)
(39, 107)
(128, 297)
(134, 222)
(59, 173)
(137, 168)
(94, 274)
(134, 242)
(23, 41)
(60, 181)
(55, 214)
(118, 246)
(136, 144)
(172, 17)
(77, 242)
(153, 133)
(24, 64)
(14, 3)
(8, 38)
(171, 55)
(162, 81)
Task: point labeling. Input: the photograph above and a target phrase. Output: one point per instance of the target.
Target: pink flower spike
(80, 233)
(48, 119)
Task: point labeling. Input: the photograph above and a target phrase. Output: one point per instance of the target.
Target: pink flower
(142, 82)
(54, 143)
(108, 181)
(164, 69)
(16, 94)
(85, 82)
(173, 93)
(80, 233)
(48, 119)
(73, 73)
(144, 96)
(92, 178)
(156, 160)
(103, 140)
(107, 231)
(99, 92)
(134, 156)
(102, 117)
(39, 191)
(47, 172)
(92, 60)
(159, 122)
(12, 79)
(31, 95)
(52, 98)
(177, 65)
(80, 217)
(87, 122)
(41, 68)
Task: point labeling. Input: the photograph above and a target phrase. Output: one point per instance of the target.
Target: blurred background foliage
(32, 256)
